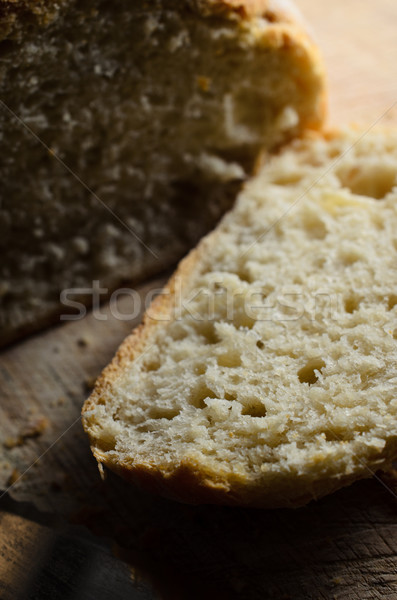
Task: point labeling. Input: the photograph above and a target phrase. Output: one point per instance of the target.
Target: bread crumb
(101, 471)
(82, 342)
(11, 442)
(32, 429)
(35, 428)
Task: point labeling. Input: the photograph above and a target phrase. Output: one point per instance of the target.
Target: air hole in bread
(153, 365)
(200, 369)
(333, 152)
(230, 396)
(307, 374)
(315, 228)
(288, 178)
(229, 359)
(318, 262)
(392, 301)
(244, 276)
(256, 409)
(207, 331)
(351, 303)
(260, 344)
(367, 379)
(159, 412)
(349, 256)
(177, 332)
(242, 320)
(199, 395)
(332, 436)
(370, 178)
(106, 444)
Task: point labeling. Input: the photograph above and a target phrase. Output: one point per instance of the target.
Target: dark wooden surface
(44, 382)
(342, 547)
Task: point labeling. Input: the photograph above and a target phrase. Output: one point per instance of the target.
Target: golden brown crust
(190, 483)
(243, 8)
(18, 15)
(273, 11)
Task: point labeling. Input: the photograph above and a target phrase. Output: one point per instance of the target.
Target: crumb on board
(11, 442)
(102, 471)
(58, 402)
(34, 428)
(82, 342)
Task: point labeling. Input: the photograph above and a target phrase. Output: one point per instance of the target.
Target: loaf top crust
(17, 16)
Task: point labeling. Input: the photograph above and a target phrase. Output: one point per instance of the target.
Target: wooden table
(343, 547)
(358, 39)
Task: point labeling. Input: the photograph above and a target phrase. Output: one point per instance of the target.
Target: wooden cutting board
(358, 39)
(344, 546)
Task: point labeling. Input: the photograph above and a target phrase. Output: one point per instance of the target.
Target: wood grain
(359, 44)
(343, 547)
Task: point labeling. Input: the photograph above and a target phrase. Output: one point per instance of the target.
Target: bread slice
(266, 372)
(151, 107)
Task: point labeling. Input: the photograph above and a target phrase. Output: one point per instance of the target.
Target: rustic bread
(152, 106)
(266, 374)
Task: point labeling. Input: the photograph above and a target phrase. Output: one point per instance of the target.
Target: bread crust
(189, 481)
(17, 16)
(18, 11)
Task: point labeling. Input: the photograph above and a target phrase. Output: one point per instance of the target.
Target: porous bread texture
(154, 106)
(266, 373)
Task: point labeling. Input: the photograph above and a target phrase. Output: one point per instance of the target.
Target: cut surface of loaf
(156, 112)
(266, 373)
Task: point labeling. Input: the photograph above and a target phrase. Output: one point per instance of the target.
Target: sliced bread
(118, 118)
(266, 373)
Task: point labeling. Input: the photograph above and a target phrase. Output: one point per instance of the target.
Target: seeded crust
(189, 480)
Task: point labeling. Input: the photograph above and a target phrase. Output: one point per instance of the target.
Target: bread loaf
(118, 118)
(266, 374)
